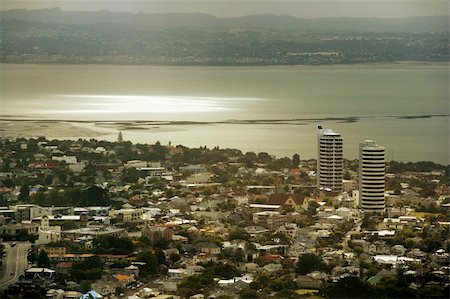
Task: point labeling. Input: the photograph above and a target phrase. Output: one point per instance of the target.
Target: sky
(232, 8)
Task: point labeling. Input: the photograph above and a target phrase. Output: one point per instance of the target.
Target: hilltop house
(294, 201)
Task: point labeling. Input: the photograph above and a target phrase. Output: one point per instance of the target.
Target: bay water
(275, 109)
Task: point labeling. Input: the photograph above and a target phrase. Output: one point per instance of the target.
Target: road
(15, 262)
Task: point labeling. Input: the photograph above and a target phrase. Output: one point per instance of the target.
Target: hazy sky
(298, 8)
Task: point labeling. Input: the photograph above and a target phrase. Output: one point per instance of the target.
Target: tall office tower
(371, 177)
(329, 161)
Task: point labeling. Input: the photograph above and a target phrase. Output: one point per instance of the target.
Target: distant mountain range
(419, 24)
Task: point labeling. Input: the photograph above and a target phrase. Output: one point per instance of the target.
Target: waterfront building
(371, 177)
(330, 160)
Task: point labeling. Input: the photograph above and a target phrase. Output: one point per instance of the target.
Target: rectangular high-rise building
(330, 160)
(372, 169)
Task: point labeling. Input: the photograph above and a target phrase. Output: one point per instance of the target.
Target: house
(348, 185)
(191, 169)
(204, 258)
(398, 250)
(55, 294)
(294, 201)
(440, 256)
(209, 248)
(270, 258)
(179, 273)
(236, 282)
(249, 267)
(272, 267)
(307, 282)
(90, 295)
(66, 159)
(374, 280)
(104, 287)
(63, 267)
(123, 279)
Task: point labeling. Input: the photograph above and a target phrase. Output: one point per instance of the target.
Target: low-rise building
(269, 219)
(16, 229)
(94, 231)
(157, 233)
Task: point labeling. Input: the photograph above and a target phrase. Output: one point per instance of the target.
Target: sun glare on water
(126, 104)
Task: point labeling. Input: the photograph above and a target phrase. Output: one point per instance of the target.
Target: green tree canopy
(309, 262)
(114, 245)
(43, 260)
(348, 287)
(239, 234)
(151, 263)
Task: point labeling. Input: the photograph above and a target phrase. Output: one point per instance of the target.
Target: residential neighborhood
(97, 219)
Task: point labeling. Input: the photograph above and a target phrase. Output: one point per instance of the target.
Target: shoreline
(12, 118)
(224, 134)
(375, 65)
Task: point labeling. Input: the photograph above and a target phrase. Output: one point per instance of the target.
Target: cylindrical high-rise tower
(371, 177)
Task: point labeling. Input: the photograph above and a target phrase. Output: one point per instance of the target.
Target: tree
(347, 175)
(348, 287)
(248, 294)
(264, 157)
(238, 255)
(151, 263)
(309, 262)
(113, 245)
(239, 234)
(296, 160)
(174, 257)
(130, 175)
(89, 269)
(161, 257)
(24, 192)
(95, 196)
(43, 260)
(48, 179)
(3, 200)
(39, 198)
(358, 250)
(53, 198)
(312, 207)
(8, 182)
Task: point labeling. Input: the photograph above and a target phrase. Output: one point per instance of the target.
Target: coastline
(405, 64)
(37, 128)
(272, 136)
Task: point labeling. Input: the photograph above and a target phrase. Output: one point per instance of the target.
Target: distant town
(103, 37)
(98, 219)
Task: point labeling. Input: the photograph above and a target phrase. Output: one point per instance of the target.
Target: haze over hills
(272, 21)
(56, 36)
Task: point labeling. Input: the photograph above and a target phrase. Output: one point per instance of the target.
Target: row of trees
(75, 196)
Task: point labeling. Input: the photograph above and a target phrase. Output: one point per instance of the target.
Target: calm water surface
(374, 94)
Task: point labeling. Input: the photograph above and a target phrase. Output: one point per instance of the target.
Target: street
(15, 262)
